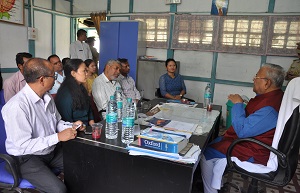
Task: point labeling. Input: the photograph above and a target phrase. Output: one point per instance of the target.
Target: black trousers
(37, 169)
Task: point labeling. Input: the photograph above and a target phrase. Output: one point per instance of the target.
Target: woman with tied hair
(91, 75)
(72, 100)
(172, 84)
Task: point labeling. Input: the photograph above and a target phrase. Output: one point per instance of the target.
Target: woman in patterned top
(171, 84)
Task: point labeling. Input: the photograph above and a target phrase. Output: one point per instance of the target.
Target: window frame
(282, 51)
(176, 44)
(155, 43)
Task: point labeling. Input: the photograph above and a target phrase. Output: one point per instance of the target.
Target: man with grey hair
(105, 85)
(258, 120)
(34, 128)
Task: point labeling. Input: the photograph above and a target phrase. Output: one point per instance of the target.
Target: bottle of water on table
(111, 130)
(207, 96)
(128, 122)
(119, 100)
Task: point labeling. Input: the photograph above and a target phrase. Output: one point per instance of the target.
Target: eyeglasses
(54, 76)
(257, 77)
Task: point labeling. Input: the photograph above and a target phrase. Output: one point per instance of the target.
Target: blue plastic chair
(7, 180)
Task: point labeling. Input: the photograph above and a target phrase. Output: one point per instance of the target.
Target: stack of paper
(190, 157)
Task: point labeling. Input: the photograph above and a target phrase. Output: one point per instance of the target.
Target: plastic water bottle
(111, 130)
(119, 100)
(128, 122)
(207, 96)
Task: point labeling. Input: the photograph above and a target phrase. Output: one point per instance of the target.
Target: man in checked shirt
(127, 83)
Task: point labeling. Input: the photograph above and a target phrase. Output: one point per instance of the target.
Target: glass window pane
(241, 39)
(291, 42)
(227, 39)
(295, 28)
(278, 42)
(207, 38)
(242, 26)
(162, 24)
(228, 25)
(150, 24)
(183, 39)
(256, 26)
(255, 40)
(280, 27)
(150, 35)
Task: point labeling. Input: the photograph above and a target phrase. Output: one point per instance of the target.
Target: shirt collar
(35, 98)
(21, 77)
(108, 81)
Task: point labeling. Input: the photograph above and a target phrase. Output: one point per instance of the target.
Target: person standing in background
(91, 42)
(294, 70)
(16, 82)
(80, 49)
(59, 72)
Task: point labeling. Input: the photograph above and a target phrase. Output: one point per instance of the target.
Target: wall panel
(194, 63)
(237, 67)
(62, 36)
(43, 45)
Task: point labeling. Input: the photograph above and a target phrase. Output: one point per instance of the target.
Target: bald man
(34, 128)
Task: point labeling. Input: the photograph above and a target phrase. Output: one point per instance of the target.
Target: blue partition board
(128, 44)
(109, 43)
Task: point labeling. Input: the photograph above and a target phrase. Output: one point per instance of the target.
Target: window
(284, 34)
(157, 29)
(194, 32)
(242, 34)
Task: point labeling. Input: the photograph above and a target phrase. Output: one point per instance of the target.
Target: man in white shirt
(127, 82)
(59, 72)
(16, 82)
(34, 128)
(80, 49)
(105, 85)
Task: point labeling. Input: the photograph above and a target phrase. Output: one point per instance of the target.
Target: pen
(78, 127)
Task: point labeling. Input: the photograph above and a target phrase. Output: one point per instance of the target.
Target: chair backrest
(158, 93)
(97, 117)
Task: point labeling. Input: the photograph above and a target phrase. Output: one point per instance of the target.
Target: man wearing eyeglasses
(258, 120)
(16, 82)
(105, 85)
(34, 128)
(59, 72)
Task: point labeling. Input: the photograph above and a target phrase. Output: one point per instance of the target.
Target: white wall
(43, 45)
(119, 6)
(89, 6)
(62, 36)
(150, 6)
(13, 39)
